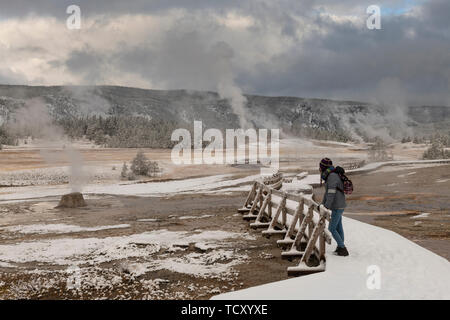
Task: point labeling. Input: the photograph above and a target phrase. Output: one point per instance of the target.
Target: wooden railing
(354, 165)
(297, 218)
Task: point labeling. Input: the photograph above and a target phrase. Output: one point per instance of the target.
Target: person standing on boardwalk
(334, 200)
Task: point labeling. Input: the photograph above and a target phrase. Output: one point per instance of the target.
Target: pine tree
(140, 164)
(436, 151)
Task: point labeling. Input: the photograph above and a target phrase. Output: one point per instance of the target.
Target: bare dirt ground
(25, 159)
(190, 246)
(49, 281)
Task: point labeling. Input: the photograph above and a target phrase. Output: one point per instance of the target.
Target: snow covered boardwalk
(407, 271)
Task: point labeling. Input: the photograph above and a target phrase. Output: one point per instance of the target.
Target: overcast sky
(287, 47)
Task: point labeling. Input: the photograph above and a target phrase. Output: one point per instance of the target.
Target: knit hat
(325, 163)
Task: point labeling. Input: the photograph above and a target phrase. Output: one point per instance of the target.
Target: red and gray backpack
(348, 184)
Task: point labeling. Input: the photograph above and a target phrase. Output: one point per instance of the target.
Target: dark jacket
(333, 197)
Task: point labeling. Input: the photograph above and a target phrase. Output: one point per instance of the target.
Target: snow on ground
(57, 228)
(296, 186)
(195, 217)
(137, 189)
(423, 215)
(208, 184)
(413, 164)
(92, 251)
(229, 191)
(407, 271)
(176, 186)
(310, 179)
(387, 168)
(217, 262)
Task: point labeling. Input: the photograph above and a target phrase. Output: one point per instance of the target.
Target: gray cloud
(20, 8)
(87, 63)
(351, 62)
(311, 48)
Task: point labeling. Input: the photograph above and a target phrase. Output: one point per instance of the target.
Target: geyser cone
(72, 200)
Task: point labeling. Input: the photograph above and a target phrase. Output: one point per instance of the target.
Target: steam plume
(34, 120)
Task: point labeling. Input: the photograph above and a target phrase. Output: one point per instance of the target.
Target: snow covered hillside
(298, 116)
(407, 271)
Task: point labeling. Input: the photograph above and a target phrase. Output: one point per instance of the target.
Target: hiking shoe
(335, 251)
(342, 252)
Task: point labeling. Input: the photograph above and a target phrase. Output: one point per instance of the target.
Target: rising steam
(226, 85)
(34, 120)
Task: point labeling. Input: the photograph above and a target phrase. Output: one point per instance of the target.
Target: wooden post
(261, 197)
(318, 230)
(250, 195)
(322, 247)
(255, 201)
(283, 212)
(310, 227)
(298, 216)
(277, 213)
(302, 229)
(270, 205)
(267, 199)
